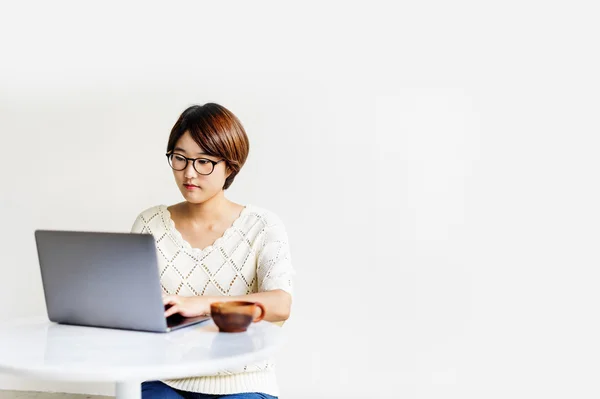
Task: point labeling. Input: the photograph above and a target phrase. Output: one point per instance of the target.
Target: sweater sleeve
(274, 266)
(138, 225)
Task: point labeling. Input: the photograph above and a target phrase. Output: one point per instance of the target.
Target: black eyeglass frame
(187, 160)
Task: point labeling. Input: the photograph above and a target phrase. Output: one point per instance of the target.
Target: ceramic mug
(235, 316)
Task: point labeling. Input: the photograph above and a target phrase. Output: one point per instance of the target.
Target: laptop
(106, 280)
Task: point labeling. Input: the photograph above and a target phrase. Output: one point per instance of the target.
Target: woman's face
(194, 187)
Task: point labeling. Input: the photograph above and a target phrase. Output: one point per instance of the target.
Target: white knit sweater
(251, 256)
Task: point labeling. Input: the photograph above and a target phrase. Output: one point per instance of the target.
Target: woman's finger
(172, 310)
(170, 299)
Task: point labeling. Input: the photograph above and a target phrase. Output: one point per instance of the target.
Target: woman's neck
(210, 211)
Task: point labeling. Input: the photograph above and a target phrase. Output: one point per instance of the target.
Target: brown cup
(235, 316)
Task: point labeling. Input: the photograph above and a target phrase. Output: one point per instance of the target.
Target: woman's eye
(203, 161)
(179, 158)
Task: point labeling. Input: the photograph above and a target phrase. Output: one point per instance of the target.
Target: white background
(435, 164)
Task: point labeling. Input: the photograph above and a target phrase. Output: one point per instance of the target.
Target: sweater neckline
(185, 244)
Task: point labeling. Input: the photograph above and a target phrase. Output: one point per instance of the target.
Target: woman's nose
(189, 171)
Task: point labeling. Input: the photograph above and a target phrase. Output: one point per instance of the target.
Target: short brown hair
(218, 131)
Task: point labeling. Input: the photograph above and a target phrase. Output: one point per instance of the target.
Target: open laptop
(104, 280)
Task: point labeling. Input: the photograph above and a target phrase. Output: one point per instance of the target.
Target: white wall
(436, 166)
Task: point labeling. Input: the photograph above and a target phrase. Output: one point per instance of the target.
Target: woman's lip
(190, 186)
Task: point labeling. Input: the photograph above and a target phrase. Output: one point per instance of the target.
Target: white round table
(40, 349)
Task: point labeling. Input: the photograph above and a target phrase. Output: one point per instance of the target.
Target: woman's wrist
(202, 304)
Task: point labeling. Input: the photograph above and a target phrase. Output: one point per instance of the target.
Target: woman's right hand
(189, 306)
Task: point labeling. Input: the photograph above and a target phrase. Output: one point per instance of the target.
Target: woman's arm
(277, 303)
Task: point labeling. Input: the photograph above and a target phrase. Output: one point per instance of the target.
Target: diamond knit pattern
(251, 256)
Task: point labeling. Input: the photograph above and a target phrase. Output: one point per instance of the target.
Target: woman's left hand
(186, 306)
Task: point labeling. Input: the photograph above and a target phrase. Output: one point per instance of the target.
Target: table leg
(128, 390)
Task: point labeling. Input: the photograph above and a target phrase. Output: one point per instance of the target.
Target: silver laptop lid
(101, 279)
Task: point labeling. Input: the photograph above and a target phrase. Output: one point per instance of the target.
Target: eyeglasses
(201, 165)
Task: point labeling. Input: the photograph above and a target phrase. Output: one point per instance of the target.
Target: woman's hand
(189, 306)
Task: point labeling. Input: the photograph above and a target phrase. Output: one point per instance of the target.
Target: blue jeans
(160, 390)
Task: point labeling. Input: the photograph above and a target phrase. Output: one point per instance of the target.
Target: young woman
(212, 249)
